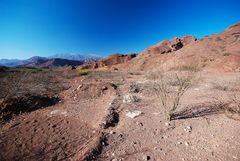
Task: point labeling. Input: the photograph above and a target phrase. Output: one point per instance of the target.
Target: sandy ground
(83, 125)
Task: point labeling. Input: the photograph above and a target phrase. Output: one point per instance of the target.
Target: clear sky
(47, 27)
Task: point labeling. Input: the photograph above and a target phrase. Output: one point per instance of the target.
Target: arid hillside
(177, 100)
(216, 52)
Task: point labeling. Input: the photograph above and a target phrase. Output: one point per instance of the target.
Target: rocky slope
(216, 52)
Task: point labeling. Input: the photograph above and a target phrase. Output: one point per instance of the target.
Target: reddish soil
(90, 121)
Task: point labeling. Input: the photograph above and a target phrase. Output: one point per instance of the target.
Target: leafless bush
(233, 110)
(187, 67)
(15, 84)
(170, 89)
(232, 85)
(201, 110)
(27, 90)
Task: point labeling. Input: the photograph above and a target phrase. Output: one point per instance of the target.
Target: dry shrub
(200, 110)
(187, 67)
(15, 84)
(82, 72)
(19, 87)
(233, 110)
(232, 85)
(170, 87)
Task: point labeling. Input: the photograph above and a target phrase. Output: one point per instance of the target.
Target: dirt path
(150, 137)
(70, 130)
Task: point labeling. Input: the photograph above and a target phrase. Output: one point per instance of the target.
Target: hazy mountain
(75, 56)
(38, 61)
(9, 62)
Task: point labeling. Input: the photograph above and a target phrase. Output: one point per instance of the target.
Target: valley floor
(92, 122)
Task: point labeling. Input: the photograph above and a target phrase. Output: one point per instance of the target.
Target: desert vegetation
(169, 88)
(27, 89)
(187, 67)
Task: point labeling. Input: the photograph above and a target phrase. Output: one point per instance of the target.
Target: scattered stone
(187, 143)
(167, 124)
(134, 88)
(134, 114)
(196, 89)
(139, 123)
(80, 86)
(112, 132)
(120, 135)
(235, 157)
(188, 129)
(146, 157)
(58, 112)
(114, 159)
(158, 149)
(130, 99)
(104, 88)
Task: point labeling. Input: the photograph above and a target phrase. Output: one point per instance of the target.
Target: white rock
(130, 99)
(58, 112)
(188, 129)
(114, 159)
(187, 143)
(167, 124)
(133, 114)
(80, 86)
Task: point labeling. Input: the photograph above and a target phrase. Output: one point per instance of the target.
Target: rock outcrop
(168, 46)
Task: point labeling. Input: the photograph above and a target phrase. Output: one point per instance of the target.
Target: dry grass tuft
(187, 67)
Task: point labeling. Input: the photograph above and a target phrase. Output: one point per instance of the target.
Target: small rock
(158, 149)
(187, 143)
(167, 124)
(112, 132)
(104, 88)
(179, 142)
(139, 123)
(235, 157)
(134, 114)
(188, 129)
(134, 88)
(80, 86)
(146, 157)
(130, 99)
(114, 159)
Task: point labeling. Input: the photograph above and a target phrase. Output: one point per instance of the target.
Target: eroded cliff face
(168, 46)
(111, 60)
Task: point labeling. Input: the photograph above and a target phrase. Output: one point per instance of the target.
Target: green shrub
(82, 72)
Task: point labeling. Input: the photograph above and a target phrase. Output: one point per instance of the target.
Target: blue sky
(102, 27)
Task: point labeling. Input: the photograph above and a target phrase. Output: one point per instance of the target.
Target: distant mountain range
(52, 61)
